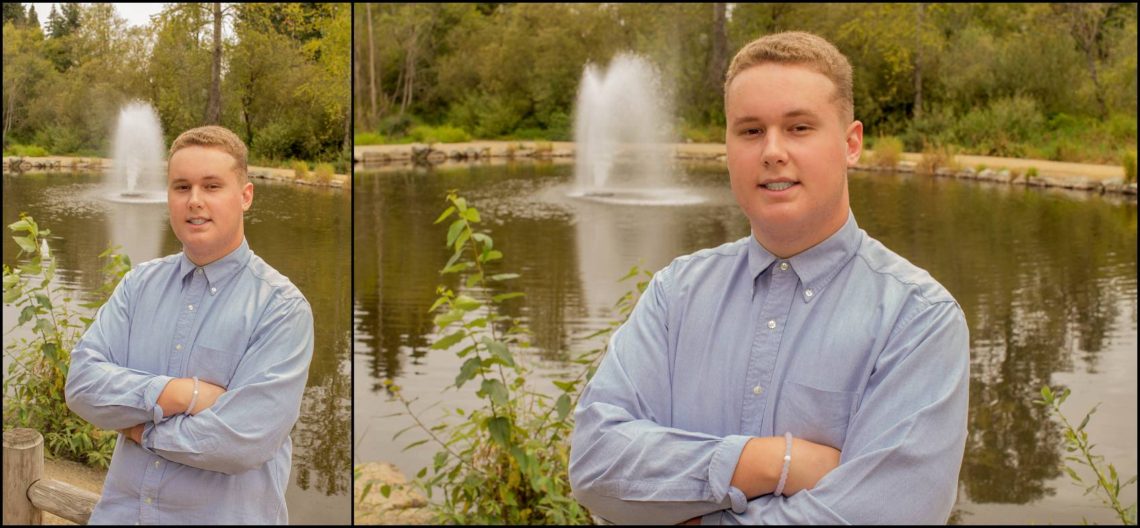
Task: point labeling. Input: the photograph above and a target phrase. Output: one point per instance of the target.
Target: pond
(303, 232)
(1047, 280)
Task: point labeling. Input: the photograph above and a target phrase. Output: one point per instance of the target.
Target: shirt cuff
(144, 440)
(721, 469)
(151, 394)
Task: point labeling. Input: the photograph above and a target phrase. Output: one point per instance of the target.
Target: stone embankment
(16, 164)
(1033, 173)
(403, 505)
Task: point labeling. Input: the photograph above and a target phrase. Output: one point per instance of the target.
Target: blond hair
(221, 138)
(799, 48)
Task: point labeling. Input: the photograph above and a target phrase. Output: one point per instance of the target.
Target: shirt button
(198, 271)
(772, 324)
(178, 347)
(213, 290)
(757, 390)
(191, 307)
(808, 293)
(783, 266)
(147, 500)
(157, 463)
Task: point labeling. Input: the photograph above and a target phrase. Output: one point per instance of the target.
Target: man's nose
(774, 152)
(195, 198)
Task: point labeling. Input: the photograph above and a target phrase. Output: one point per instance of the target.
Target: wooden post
(23, 465)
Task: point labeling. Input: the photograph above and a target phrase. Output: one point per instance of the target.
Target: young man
(804, 374)
(199, 359)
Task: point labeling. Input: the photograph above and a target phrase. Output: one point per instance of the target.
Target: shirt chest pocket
(816, 415)
(214, 365)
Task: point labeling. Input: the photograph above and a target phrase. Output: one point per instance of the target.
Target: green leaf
(471, 214)
(446, 213)
(504, 296)
(500, 429)
(467, 303)
(25, 244)
(447, 342)
(462, 239)
(482, 238)
(494, 254)
(504, 276)
(452, 316)
(453, 231)
(19, 225)
(453, 268)
(461, 203)
(1073, 474)
(467, 371)
(1064, 395)
(473, 279)
(421, 473)
(26, 314)
(438, 302)
(563, 406)
(414, 444)
(499, 350)
(44, 301)
(1047, 394)
(566, 386)
(385, 490)
(495, 390)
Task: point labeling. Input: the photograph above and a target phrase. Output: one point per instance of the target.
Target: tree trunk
(214, 105)
(919, 15)
(371, 65)
(718, 53)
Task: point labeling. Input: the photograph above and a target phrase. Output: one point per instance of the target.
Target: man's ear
(246, 196)
(854, 142)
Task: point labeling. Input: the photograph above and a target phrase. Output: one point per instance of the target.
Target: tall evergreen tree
(14, 13)
(33, 19)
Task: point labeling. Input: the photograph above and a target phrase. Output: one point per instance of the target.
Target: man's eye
(801, 128)
(751, 131)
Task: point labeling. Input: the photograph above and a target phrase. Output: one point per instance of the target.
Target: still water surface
(300, 231)
(1047, 280)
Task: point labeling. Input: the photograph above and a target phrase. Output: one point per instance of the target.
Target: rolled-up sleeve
(626, 464)
(903, 451)
(247, 425)
(99, 388)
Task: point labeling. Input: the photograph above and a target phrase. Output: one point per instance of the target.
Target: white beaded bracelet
(787, 464)
(193, 398)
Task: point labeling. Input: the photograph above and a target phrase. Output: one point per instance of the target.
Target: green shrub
(888, 152)
(505, 462)
(38, 370)
(26, 151)
(1128, 159)
(439, 134)
(300, 170)
(1031, 173)
(1107, 483)
(324, 172)
(369, 138)
(935, 157)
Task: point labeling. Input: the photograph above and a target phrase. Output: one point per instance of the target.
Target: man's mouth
(778, 186)
(197, 221)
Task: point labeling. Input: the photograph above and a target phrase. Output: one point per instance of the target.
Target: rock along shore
(403, 505)
(17, 164)
(1014, 171)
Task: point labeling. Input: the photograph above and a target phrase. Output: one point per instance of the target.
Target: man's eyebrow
(797, 112)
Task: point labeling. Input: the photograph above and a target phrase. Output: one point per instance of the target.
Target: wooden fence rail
(27, 494)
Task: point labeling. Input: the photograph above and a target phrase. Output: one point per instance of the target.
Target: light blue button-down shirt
(846, 344)
(235, 322)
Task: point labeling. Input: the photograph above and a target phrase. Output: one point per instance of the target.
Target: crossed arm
(899, 459)
(230, 430)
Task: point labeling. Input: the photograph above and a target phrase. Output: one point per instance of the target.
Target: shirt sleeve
(626, 464)
(99, 388)
(903, 450)
(247, 424)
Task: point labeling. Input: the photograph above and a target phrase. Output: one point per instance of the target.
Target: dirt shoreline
(51, 163)
(1082, 176)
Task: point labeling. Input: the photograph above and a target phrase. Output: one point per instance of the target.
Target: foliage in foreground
(39, 365)
(505, 462)
(1079, 448)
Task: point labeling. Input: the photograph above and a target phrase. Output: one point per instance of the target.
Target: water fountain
(622, 137)
(138, 173)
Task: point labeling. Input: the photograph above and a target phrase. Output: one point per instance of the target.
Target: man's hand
(133, 433)
(175, 397)
(758, 470)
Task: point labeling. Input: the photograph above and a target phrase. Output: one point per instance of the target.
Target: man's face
(206, 202)
(788, 154)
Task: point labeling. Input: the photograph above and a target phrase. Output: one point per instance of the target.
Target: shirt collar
(221, 269)
(819, 264)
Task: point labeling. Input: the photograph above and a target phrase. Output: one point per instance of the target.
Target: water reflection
(302, 232)
(1047, 281)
